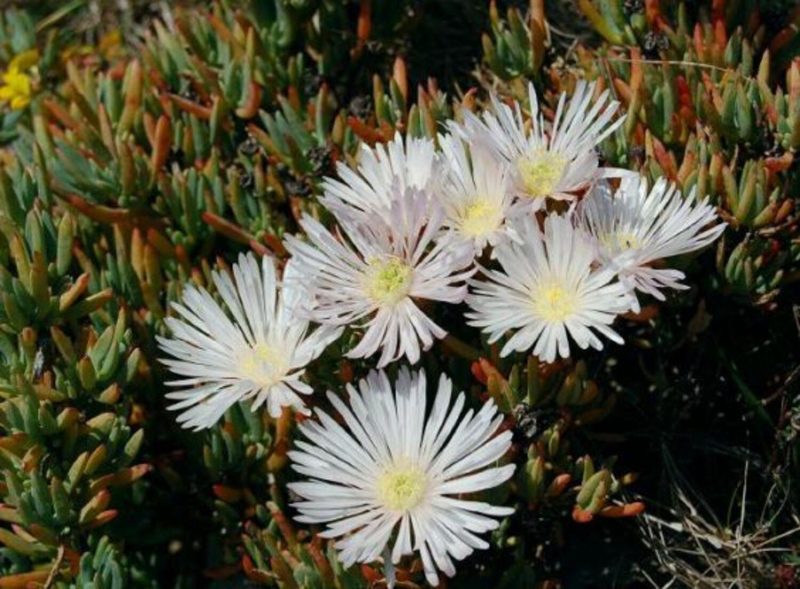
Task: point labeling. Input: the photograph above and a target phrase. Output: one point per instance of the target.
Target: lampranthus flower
(257, 353)
(476, 195)
(555, 160)
(370, 187)
(386, 263)
(634, 227)
(548, 289)
(390, 471)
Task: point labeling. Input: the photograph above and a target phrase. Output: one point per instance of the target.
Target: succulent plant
(143, 152)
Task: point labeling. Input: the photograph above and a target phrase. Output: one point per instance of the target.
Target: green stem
(460, 348)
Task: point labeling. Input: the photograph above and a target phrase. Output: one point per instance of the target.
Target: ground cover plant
(320, 294)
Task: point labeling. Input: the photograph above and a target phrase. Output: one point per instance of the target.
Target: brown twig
(51, 578)
(673, 62)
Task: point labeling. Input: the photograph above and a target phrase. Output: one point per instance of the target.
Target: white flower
(392, 469)
(386, 263)
(370, 187)
(548, 288)
(476, 195)
(257, 355)
(554, 160)
(635, 228)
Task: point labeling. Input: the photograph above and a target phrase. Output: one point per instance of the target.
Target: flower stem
(388, 568)
(460, 348)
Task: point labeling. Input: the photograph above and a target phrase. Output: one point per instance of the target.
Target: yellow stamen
(621, 240)
(402, 487)
(480, 217)
(541, 171)
(554, 303)
(388, 280)
(262, 364)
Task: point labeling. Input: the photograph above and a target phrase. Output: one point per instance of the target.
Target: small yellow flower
(17, 87)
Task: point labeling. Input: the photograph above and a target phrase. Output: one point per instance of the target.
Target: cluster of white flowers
(467, 221)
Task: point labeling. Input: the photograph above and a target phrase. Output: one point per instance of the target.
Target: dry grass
(694, 549)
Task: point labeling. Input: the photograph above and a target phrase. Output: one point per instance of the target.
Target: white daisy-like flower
(386, 263)
(548, 289)
(392, 469)
(370, 187)
(476, 195)
(256, 353)
(634, 228)
(555, 160)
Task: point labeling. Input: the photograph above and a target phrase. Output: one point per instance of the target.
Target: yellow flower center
(262, 364)
(402, 487)
(621, 240)
(541, 171)
(479, 218)
(388, 280)
(554, 303)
